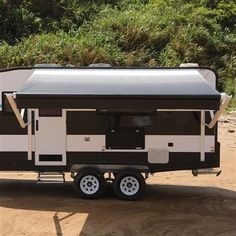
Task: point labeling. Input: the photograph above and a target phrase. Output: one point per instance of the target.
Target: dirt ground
(175, 203)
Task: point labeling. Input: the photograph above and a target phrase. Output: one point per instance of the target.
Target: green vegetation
(122, 33)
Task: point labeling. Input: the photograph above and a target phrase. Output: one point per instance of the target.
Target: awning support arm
(225, 99)
(202, 142)
(11, 100)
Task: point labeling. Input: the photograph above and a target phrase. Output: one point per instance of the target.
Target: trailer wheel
(129, 185)
(89, 183)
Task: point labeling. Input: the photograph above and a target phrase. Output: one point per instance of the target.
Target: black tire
(92, 185)
(129, 185)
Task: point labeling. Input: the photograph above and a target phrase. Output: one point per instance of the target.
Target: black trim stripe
(158, 123)
(9, 124)
(13, 161)
(89, 123)
(46, 102)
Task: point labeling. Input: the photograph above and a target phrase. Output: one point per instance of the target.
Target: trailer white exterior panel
(13, 143)
(181, 143)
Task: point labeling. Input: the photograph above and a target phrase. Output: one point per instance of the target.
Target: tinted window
(10, 125)
(110, 120)
(50, 112)
(158, 123)
(82, 122)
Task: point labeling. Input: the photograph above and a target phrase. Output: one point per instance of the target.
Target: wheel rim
(89, 184)
(129, 185)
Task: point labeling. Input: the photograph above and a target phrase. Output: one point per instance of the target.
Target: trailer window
(50, 157)
(127, 121)
(175, 123)
(82, 122)
(136, 121)
(110, 120)
(50, 112)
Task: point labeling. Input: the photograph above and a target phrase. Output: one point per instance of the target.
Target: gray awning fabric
(74, 88)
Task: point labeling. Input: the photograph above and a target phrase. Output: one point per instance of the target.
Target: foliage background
(122, 33)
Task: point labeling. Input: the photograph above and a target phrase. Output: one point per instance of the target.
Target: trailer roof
(75, 88)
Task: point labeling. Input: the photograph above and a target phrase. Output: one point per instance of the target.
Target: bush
(126, 33)
(58, 48)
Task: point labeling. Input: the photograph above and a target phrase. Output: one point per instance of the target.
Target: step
(51, 177)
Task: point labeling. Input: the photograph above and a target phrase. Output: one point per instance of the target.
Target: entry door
(50, 137)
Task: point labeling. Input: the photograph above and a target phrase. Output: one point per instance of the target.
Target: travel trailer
(123, 123)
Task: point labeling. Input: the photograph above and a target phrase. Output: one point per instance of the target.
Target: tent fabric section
(117, 82)
(75, 87)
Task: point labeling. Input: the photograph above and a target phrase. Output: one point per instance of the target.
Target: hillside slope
(122, 33)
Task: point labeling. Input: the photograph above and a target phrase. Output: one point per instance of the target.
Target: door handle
(37, 125)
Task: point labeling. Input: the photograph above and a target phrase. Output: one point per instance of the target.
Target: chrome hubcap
(129, 185)
(89, 184)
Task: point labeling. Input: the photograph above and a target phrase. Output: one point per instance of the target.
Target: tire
(89, 183)
(129, 185)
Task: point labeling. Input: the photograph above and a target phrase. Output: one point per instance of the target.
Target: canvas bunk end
(19, 115)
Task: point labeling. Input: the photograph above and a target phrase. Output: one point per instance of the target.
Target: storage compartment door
(50, 137)
(125, 138)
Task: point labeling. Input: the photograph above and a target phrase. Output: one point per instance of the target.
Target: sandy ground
(175, 203)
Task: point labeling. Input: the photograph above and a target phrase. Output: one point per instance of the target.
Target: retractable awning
(118, 89)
